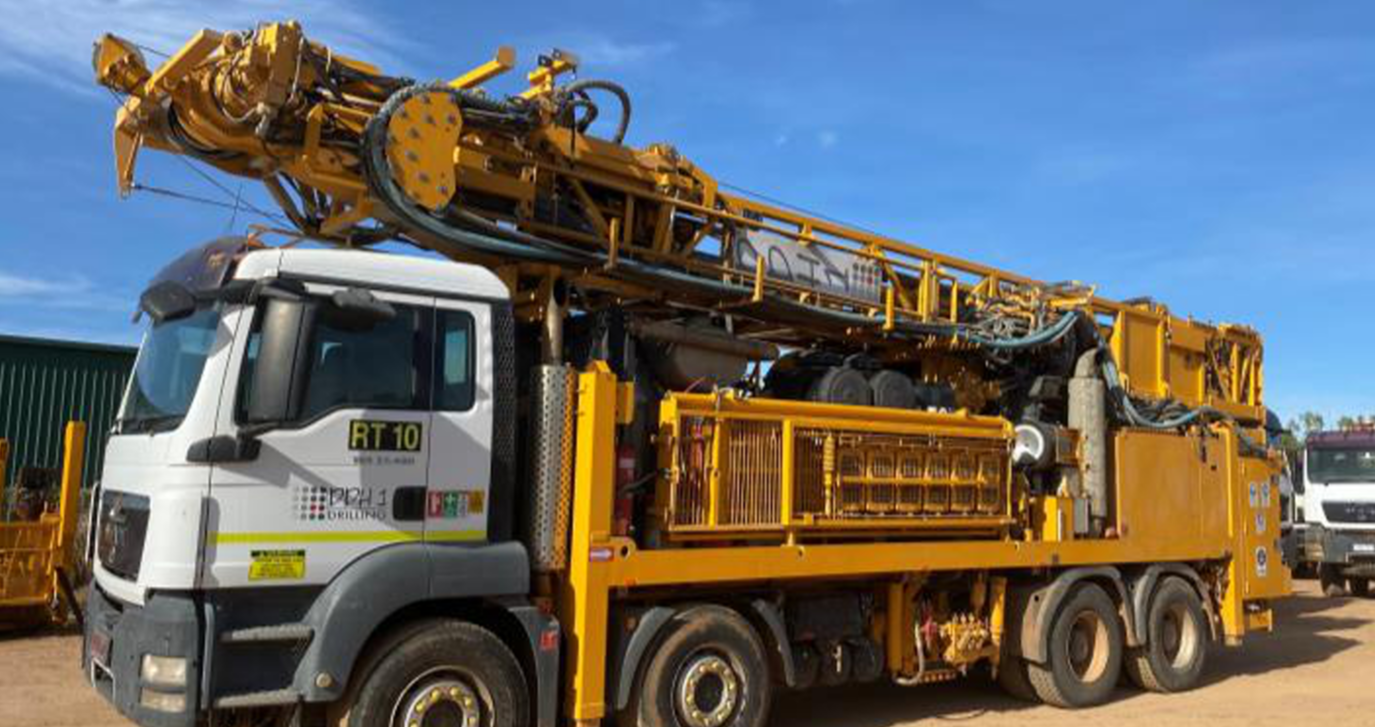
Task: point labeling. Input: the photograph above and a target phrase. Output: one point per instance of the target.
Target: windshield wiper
(160, 423)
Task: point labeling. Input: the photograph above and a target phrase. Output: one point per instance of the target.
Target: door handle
(408, 504)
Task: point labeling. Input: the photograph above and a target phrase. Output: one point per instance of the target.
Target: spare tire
(892, 389)
(841, 385)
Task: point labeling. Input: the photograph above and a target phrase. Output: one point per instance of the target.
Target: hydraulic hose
(614, 89)
(476, 234)
(1041, 337)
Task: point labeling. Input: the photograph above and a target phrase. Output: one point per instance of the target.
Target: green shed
(46, 383)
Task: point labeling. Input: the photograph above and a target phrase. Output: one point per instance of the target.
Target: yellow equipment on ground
(37, 557)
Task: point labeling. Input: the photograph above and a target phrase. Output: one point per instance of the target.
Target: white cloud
(16, 286)
(597, 50)
(1082, 165)
(71, 292)
(607, 52)
(51, 41)
(827, 138)
(718, 13)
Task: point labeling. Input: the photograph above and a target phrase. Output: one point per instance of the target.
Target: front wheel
(1360, 587)
(1331, 580)
(709, 670)
(442, 674)
(1085, 654)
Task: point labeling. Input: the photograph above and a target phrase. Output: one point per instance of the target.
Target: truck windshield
(1341, 465)
(167, 372)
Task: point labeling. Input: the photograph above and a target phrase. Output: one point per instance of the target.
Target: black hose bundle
(575, 95)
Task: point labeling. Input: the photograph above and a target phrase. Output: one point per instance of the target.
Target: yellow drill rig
(945, 463)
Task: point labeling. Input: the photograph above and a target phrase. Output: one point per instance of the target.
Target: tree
(1306, 423)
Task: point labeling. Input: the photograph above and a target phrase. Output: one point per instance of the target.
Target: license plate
(1363, 547)
(100, 649)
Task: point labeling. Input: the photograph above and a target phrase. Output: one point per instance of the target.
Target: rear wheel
(1176, 640)
(710, 670)
(444, 674)
(1012, 677)
(1360, 587)
(1084, 658)
(1011, 668)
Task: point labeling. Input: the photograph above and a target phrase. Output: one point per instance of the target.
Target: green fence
(44, 384)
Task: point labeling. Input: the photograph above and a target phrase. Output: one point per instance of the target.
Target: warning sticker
(277, 565)
(449, 504)
(1255, 495)
(1260, 523)
(1262, 561)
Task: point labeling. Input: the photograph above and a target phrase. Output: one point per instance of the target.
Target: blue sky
(1217, 156)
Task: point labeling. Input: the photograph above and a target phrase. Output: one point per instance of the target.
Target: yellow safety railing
(760, 467)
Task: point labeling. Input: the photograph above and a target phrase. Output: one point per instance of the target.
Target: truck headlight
(164, 671)
(161, 701)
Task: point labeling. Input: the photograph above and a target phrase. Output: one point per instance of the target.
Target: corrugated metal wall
(44, 384)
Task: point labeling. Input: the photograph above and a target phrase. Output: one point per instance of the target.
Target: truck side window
(373, 368)
(378, 368)
(454, 357)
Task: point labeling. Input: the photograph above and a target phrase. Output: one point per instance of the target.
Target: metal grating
(552, 444)
(727, 472)
(751, 473)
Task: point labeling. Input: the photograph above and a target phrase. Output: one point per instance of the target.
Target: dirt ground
(1315, 668)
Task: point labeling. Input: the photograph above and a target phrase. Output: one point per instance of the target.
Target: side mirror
(167, 301)
(279, 373)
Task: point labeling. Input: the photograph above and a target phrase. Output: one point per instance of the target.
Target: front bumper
(167, 625)
(1352, 550)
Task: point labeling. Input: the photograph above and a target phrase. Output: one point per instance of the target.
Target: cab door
(348, 476)
(460, 469)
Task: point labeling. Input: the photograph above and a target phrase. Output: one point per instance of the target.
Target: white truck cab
(1339, 507)
(310, 440)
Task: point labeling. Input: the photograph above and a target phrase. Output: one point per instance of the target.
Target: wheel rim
(707, 691)
(1180, 638)
(443, 698)
(1088, 647)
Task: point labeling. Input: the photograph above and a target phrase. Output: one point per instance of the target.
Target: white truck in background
(1337, 483)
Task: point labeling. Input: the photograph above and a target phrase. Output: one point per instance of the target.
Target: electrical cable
(202, 200)
(206, 176)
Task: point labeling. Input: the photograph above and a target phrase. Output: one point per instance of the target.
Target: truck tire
(1012, 677)
(709, 670)
(441, 672)
(1331, 581)
(1176, 640)
(1011, 669)
(1084, 658)
(1360, 587)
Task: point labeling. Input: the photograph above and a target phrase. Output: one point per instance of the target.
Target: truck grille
(1349, 512)
(123, 527)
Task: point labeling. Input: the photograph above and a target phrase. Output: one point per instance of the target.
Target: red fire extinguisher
(625, 495)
